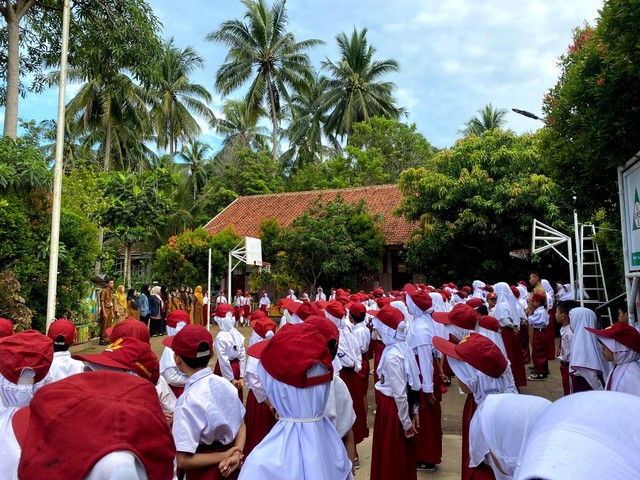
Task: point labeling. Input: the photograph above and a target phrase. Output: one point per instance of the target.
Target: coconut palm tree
(240, 128)
(488, 119)
(355, 89)
(261, 50)
(174, 98)
(195, 154)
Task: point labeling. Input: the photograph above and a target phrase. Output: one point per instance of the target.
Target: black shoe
(426, 467)
(102, 342)
(538, 376)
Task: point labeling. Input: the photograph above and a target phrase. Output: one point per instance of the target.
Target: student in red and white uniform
(229, 347)
(566, 336)
(296, 372)
(510, 317)
(263, 327)
(481, 370)
(539, 320)
(320, 295)
(76, 415)
(420, 339)
(168, 368)
(349, 354)
(587, 368)
(63, 333)
(393, 453)
(221, 298)
(265, 302)
(621, 346)
(332, 294)
(358, 313)
(246, 308)
(238, 302)
(292, 294)
(208, 426)
(25, 360)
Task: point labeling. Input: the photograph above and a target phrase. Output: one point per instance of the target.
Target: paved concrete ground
(452, 404)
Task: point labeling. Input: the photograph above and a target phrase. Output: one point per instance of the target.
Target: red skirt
(354, 385)
(392, 455)
(523, 338)
(235, 366)
(177, 391)
(514, 352)
(259, 421)
(210, 473)
(246, 310)
(378, 348)
(263, 308)
(467, 413)
(237, 313)
(564, 373)
(540, 352)
(429, 437)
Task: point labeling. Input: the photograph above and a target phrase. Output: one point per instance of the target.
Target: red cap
(462, 294)
(343, 299)
(620, 332)
(263, 325)
(28, 349)
(382, 301)
(130, 327)
(177, 316)
(453, 285)
(466, 288)
(441, 317)
(463, 316)
(256, 315)
(256, 349)
(127, 353)
(6, 327)
(336, 309)
(475, 302)
(325, 326)
(293, 351)
(539, 297)
(378, 291)
(239, 291)
(92, 415)
(490, 323)
(307, 309)
(357, 309)
(420, 297)
(487, 288)
(390, 316)
(62, 328)
(523, 283)
(223, 309)
(478, 351)
(515, 291)
(186, 342)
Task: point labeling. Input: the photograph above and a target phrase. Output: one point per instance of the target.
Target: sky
(455, 55)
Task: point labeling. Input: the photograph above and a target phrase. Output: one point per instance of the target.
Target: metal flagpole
(57, 172)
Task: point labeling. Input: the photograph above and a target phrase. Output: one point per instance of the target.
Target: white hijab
(438, 305)
(585, 352)
(548, 290)
(422, 328)
(20, 394)
(304, 443)
(226, 323)
(499, 428)
(591, 434)
(524, 295)
(625, 375)
(396, 345)
(121, 465)
(477, 292)
(495, 337)
(506, 306)
(566, 293)
(480, 384)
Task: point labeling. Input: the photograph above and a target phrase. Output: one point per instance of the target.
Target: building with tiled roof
(245, 214)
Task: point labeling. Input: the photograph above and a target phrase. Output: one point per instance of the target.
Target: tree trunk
(274, 118)
(107, 146)
(127, 266)
(98, 265)
(13, 72)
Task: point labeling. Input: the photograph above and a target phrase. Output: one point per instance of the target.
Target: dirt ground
(452, 404)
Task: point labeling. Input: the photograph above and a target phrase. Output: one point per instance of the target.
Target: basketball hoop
(521, 254)
(265, 267)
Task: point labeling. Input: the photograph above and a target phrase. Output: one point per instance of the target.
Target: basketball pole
(209, 293)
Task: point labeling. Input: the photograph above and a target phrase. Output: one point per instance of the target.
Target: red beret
(127, 353)
(467, 288)
(262, 325)
(187, 341)
(475, 302)
(62, 328)
(463, 316)
(130, 327)
(357, 309)
(462, 294)
(441, 317)
(290, 354)
(515, 291)
(178, 316)
(420, 297)
(92, 415)
(6, 327)
(620, 332)
(382, 301)
(378, 291)
(487, 288)
(336, 309)
(256, 315)
(478, 351)
(307, 309)
(390, 316)
(490, 323)
(223, 309)
(325, 326)
(539, 297)
(28, 349)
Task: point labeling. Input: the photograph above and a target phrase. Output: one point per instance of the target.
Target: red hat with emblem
(621, 333)
(476, 350)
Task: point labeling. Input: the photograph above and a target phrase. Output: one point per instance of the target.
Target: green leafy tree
(488, 118)
(240, 127)
(474, 204)
(356, 91)
(333, 243)
(263, 52)
(249, 173)
(174, 97)
(135, 206)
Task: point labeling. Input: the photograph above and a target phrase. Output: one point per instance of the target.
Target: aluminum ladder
(592, 275)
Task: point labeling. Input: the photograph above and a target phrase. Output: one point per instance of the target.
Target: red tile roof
(244, 214)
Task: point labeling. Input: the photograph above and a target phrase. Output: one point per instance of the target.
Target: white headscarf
(226, 323)
(591, 434)
(255, 338)
(585, 352)
(524, 295)
(480, 384)
(495, 337)
(20, 394)
(119, 465)
(566, 293)
(548, 290)
(395, 344)
(304, 443)
(438, 305)
(500, 426)
(477, 292)
(506, 306)
(422, 328)
(403, 308)
(625, 375)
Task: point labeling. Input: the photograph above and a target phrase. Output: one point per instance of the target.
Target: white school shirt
(239, 300)
(539, 318)
(64, 366)
(339, 409)
(395, 386)
(321, 297)
(166, 396)
(363, 335)
(230, 346)
(10, 451)
(208, 411)
(565, 343)
(349, 352)
(265, 301)
(292, 296)
(253, 381)
(169, 371)
(221, 299)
